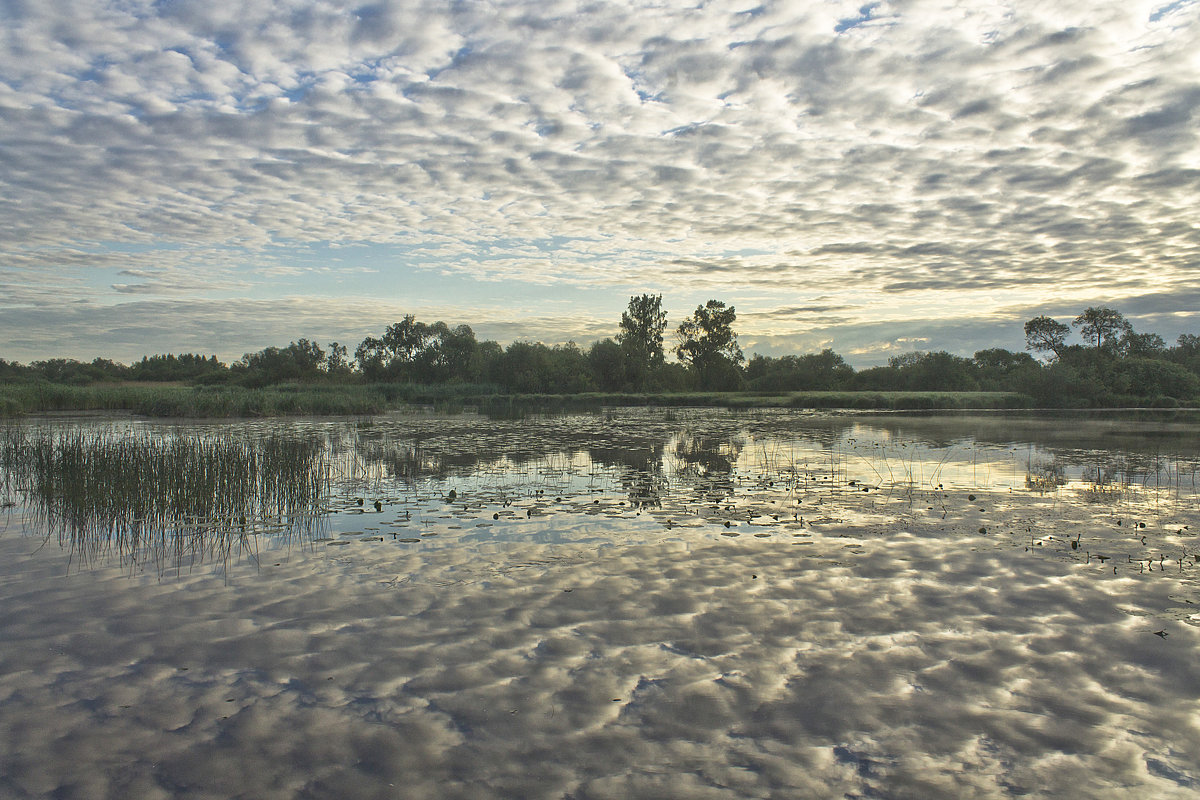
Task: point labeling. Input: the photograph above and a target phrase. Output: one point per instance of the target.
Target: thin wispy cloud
(929, 163)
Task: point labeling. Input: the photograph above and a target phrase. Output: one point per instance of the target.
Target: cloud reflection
(887, 648)
(904, 667)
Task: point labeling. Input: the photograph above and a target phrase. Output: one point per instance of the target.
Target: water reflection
(169, 495)
(615, 605)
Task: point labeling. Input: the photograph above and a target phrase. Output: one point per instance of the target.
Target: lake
(683, 603)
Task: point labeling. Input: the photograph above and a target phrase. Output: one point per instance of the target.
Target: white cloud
(929, 146)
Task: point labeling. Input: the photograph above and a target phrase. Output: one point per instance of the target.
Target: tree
(406, 339)
(186, 366)
(940, 371)
(415, 351)
(999, 370)
(300, 360)
(370, 356)
(307, 355)
(532, 367)
(641, 337)
(1045, 334)
(457, 349)
(813, 371)
(337, 360)
(1145, 345)
(1186, 352)
(608, 365)
(1102, 325)
(709, 346)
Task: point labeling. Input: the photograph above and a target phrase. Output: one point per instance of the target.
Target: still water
(634, 603)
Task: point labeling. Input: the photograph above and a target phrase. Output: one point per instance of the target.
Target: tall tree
(709, 346)
(337, 360)
(406, 339)
(1102, 325)
(1045, 334)
(641, 337)
(1145, 345)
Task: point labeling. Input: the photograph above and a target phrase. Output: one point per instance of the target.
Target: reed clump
(167, 499)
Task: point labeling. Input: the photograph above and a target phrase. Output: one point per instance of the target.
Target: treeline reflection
(173, 496)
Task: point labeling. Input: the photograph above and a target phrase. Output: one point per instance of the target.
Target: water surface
(636, 603)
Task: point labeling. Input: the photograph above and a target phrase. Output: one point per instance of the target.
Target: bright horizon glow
(220, 177)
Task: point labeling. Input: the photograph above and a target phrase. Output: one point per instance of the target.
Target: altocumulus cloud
(921, 161)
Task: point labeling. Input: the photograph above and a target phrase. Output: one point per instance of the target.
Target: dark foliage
(414, 361)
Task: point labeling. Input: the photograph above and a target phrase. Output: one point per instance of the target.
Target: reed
(171, 500)
(361, 399)
(193, 401)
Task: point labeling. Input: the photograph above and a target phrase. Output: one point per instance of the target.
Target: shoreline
(290, 400)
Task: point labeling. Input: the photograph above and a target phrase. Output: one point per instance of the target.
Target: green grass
(192, 401)
(162, 499)
(363, 399)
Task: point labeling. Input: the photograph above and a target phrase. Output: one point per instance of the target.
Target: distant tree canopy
(184, 367)
(1113, 366)
(708, 344)
(640, 337)
(420, 353)
(1044, 334)
(824, 371)
(1102, 325)
(299, 361)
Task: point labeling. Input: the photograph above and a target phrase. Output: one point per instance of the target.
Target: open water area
(635, 603)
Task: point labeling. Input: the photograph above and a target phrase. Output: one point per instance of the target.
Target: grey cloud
(1060, 139)
(792, 311)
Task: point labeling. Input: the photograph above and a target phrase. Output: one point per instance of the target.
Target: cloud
(795, 145)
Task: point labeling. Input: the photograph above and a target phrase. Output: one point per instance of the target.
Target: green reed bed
(361, 399)
(192, 401)
(169, 501)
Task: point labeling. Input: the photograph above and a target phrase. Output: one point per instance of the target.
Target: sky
(220, 177)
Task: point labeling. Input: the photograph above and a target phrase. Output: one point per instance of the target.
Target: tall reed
(166, 499)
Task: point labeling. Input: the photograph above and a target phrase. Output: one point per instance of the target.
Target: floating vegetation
(181, 494)
(171, 500)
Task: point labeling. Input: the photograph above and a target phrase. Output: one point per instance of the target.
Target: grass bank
(357, 399)
(191, 401)
(157, 400)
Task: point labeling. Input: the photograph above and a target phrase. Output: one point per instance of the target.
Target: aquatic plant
(166, 499)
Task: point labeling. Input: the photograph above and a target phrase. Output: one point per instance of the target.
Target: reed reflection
(168, 501)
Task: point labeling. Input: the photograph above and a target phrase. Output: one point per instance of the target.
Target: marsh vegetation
(414, 362)
(172, 501)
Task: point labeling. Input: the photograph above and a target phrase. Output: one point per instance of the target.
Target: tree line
(1112, 365)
